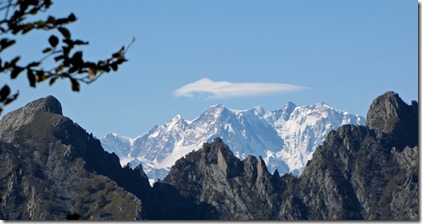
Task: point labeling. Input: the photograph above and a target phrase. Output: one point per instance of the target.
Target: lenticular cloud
(229, 90)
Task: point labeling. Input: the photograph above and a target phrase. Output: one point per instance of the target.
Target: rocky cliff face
(213, 175)
(393, 121)
(367, 172)
(52, 169)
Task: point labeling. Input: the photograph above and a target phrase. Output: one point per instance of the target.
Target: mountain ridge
(52, 169)
(285, 138)
(356, 174)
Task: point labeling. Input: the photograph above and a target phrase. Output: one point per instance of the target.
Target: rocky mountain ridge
(52, 170)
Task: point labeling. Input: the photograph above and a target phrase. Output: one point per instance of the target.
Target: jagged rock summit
(24, 115)
(231, 188)
(367, 172)
(390, 115)
(48, 104)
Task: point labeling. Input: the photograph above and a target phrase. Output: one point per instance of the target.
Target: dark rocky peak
(219, 155)
(256, 169)
(16, 119)
(236, 190)
(390, 115)
(217, 152)
(63, 171)
(384, 112)
(216, 145)
(360, 172)
(47, 104)
(85, 146)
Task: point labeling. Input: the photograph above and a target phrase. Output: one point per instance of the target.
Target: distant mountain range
(52, 169)
(284, 138)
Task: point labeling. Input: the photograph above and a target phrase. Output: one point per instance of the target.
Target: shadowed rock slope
(51, 169)
(360, 172)
(367, 172)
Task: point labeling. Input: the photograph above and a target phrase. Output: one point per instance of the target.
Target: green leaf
(51, 20)
(52, 80)
(31, 78)
(77, 56)
(41, 23)
(71, 17)
(58, 58)
(59, 69)
(48, 49)
(75, 85)
(77, 60)
(53, 40)
(65, 32)
(4, 92)
(15, 60)
(80, 42)
(117, 54)
(15, 72)
(114, 66)
(28, 27)
(33, 11)
(69, 42)
(33, 64)
(11, 98)
(5, 43)
(41, 76)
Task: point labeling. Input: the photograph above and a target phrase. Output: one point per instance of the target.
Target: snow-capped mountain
(284, 138)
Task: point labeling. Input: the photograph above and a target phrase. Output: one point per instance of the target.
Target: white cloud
(229, 90)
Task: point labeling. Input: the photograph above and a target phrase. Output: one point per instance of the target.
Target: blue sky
(343, 53)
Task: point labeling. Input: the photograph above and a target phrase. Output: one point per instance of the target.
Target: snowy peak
(259, 110)
(321, 104)
(120, 145)
(177, 118)
(284, 138)
(213, 112)
(116, 136)
(213, 118)
(218, 106)
(177, 123)
(285, 111)
(289, 105)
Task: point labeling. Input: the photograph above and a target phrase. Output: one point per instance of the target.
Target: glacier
(284, 138)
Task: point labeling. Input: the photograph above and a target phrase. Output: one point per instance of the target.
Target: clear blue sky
(343, 53)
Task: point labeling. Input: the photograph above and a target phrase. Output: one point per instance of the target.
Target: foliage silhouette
(68, 62)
